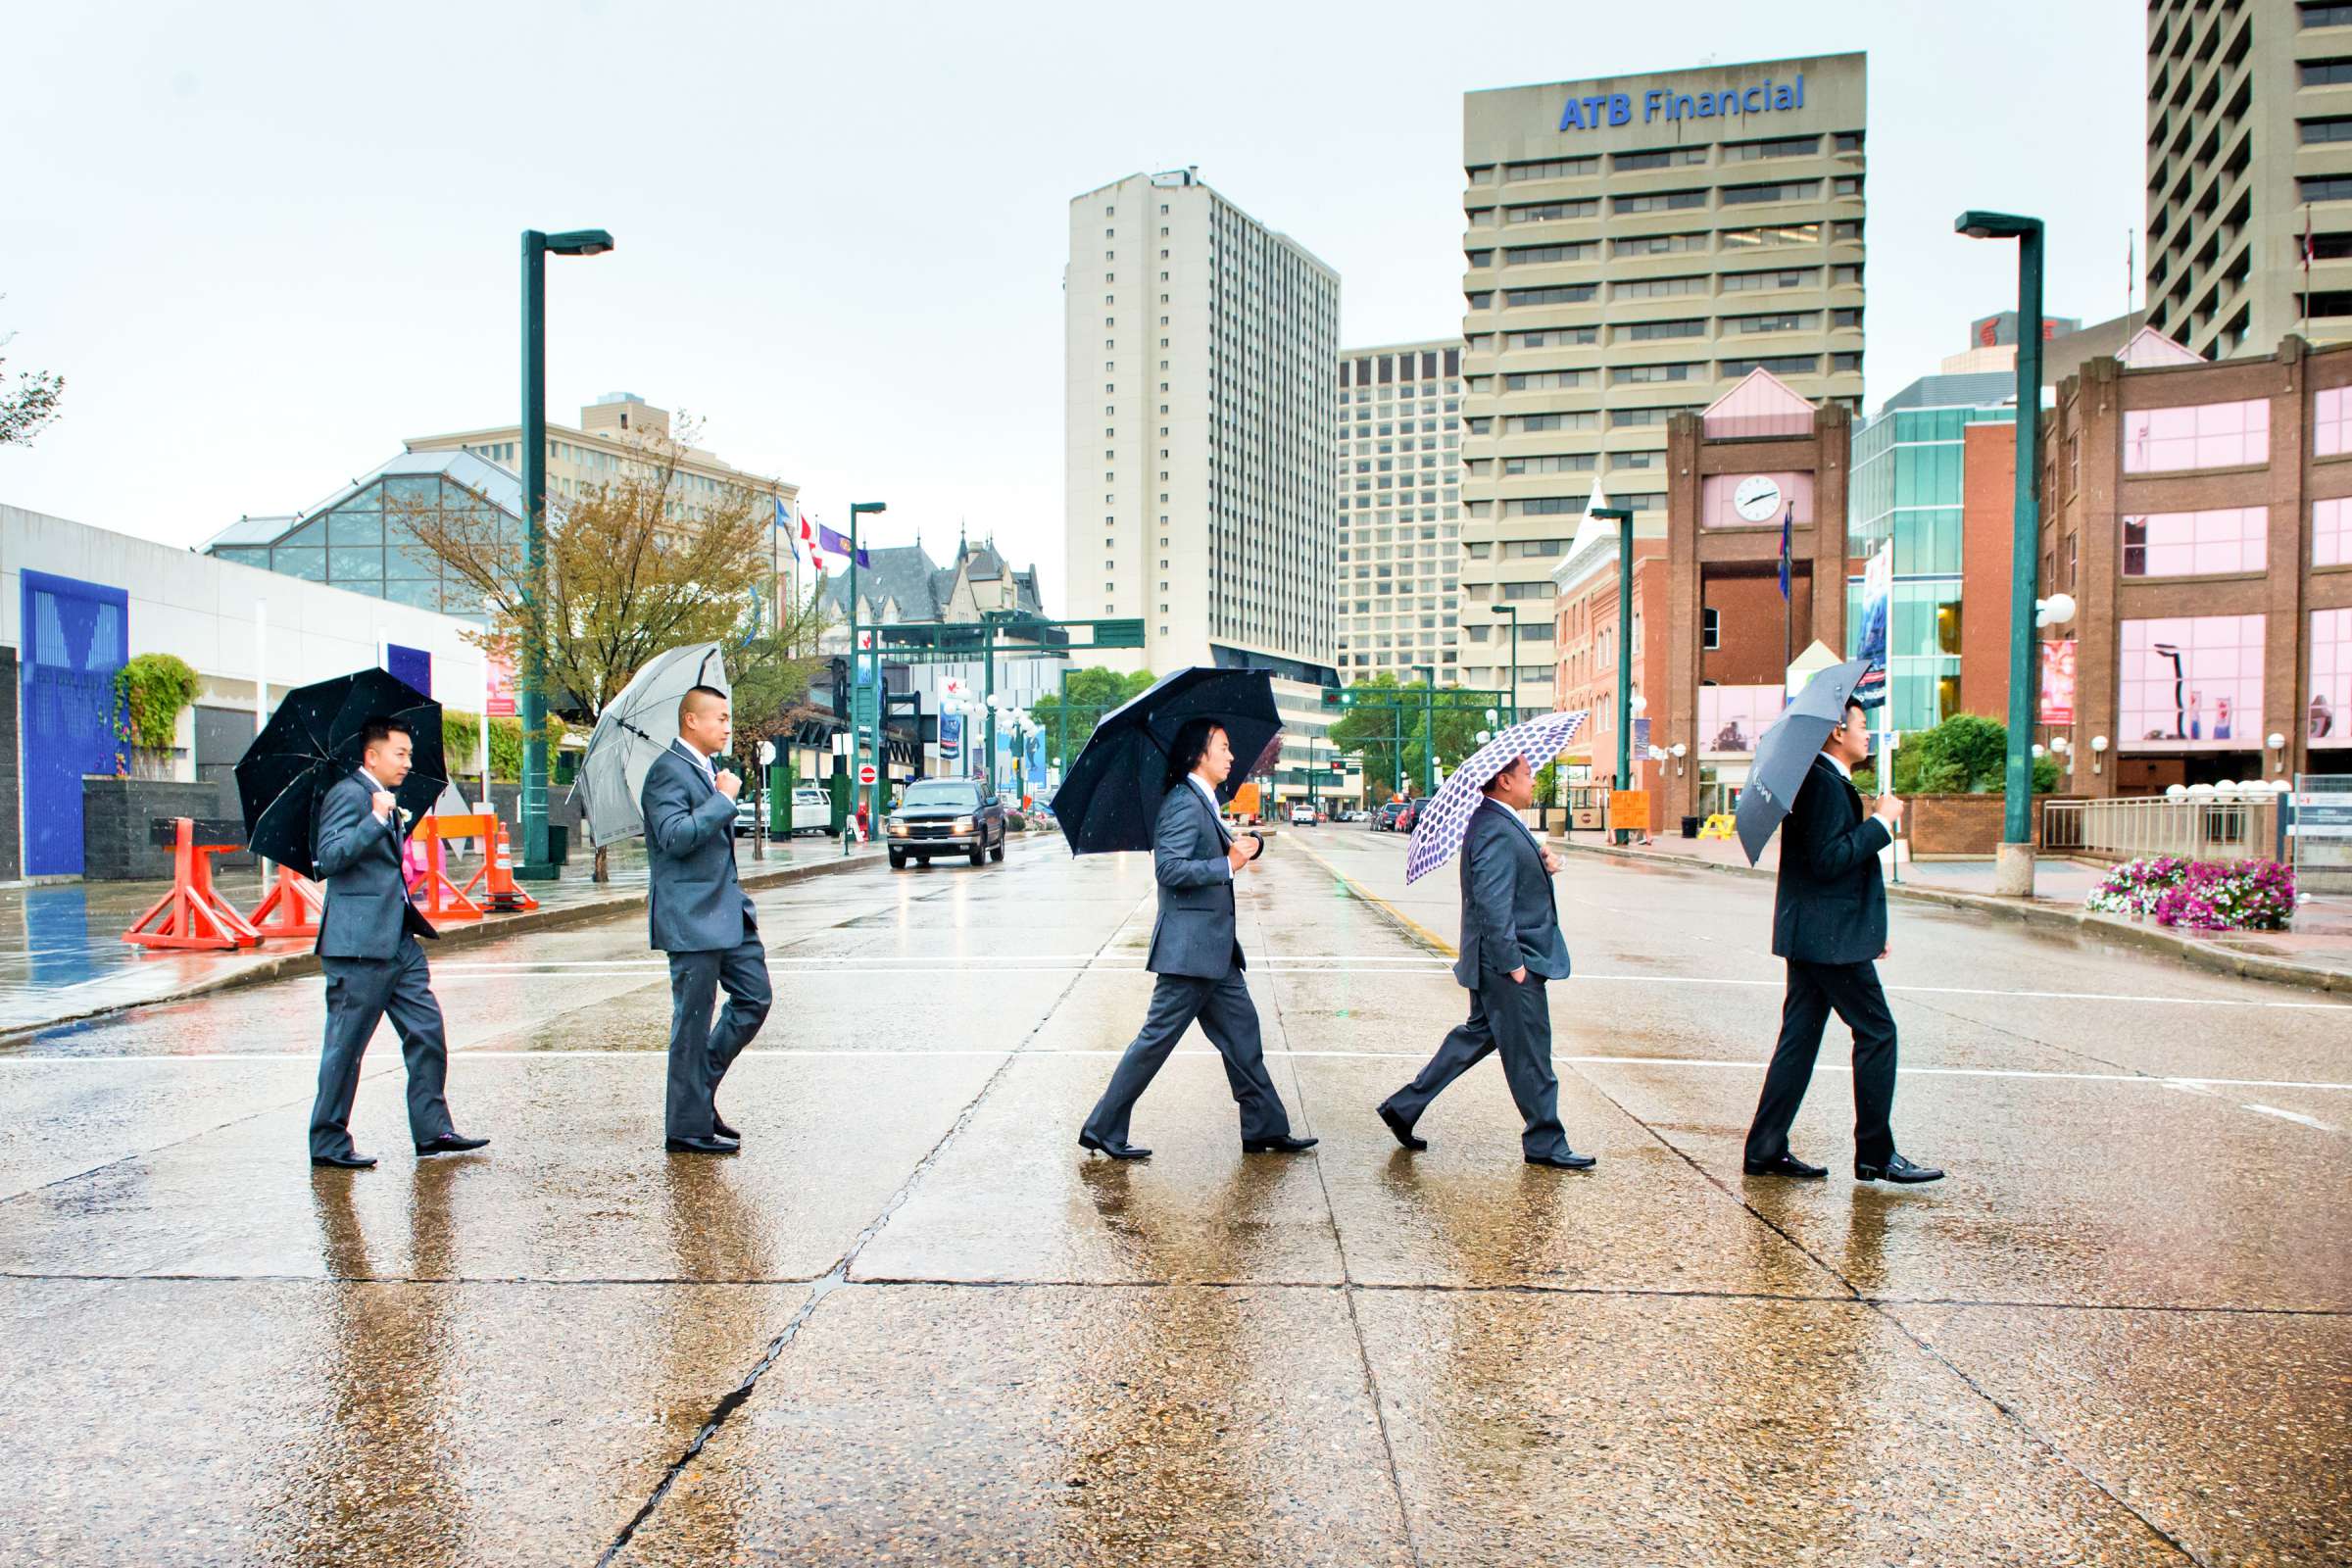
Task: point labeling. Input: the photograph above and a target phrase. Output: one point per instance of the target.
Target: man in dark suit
(367, 946)
(1198, 959)
(1511, 945)
(702, 917)
(1828, 922)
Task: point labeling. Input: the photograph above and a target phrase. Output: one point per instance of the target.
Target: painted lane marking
(2288, 1115)
(1741, 1064)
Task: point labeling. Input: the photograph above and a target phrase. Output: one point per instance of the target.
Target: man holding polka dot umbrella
(1511, 943)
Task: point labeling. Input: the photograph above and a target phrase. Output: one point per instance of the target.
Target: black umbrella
(314, 739)
(1785, 755)
(1111, 799)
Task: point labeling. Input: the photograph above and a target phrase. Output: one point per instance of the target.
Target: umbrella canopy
(1111, 799)
(315, 738)
(1439, 829)
(1785, 755)
(634, 728)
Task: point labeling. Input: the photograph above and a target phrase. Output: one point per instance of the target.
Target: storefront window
(2191, 683)
(2328, 711)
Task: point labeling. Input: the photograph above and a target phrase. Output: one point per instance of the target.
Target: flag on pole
(834, 542)
(792, 538)
(808, 532)
(1787, 525)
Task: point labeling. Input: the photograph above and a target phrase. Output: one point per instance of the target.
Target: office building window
(1562, 294)
(2331, 538)
(1655, 288)
(1741, 152)
(1550, 212)
(2324, 718)
(1551, 168)
(2185, 543)
(2326, 73)
(1653, 331)
(1779, 278)
(1793, 190)
(2191, 683)
(1535, 255)
(1659, 158)
(2210, 435)
(1773, 322)
(1664, 201)
(1649, 374)
(1710, 629)
(1658, 244)
(2332, 422)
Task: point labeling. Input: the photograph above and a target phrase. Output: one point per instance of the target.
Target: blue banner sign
(1617, 108)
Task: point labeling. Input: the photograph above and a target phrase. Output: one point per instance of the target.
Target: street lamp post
(1428, 730)
(1623, 517)
(1512, 611)
(2012, 869)
(531, 708)
(868, 793)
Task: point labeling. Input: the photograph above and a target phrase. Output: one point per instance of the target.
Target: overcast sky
(265, 242)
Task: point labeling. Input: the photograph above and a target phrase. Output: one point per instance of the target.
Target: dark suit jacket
(368, 909)
(694, 901)
(1509, 919)
(1194, 933)
(1830, 903)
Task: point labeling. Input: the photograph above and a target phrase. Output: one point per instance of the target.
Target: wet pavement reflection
(911, 1321)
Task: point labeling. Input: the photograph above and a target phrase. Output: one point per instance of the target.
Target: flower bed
(2202, 894)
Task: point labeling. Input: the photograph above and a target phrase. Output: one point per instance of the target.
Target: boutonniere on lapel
(406, 817)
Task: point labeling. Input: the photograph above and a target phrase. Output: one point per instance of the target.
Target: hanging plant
(149, 693)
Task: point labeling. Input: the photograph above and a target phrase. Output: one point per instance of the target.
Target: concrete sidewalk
(2317, 952)
(63, 956)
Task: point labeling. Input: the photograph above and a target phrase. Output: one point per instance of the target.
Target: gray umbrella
(634, 728)
(1785, 756)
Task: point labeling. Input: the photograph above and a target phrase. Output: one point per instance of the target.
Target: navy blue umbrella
(1785, 755)
(1111, 799)
(318, 736)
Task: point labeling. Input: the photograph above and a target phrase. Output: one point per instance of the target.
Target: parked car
(1015, 817)
(811, 810)
(747, 814)
(945, 816)
(1394, 817)
(1303, 815)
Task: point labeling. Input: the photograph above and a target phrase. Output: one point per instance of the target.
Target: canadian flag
(809, 537)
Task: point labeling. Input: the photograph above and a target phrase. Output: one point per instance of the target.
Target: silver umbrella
(634, 728)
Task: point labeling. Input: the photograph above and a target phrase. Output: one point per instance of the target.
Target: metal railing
(2197, 827)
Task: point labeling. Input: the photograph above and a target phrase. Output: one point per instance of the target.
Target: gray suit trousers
(1516, 1020)
(700, 1051)
(360, 992)
(1230, 1021)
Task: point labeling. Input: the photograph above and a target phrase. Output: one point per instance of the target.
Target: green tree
(1967, 753)
(28, 402)
(1092, 693)
(1389, 736)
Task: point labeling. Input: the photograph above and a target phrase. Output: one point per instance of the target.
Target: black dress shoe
(1783, 1165)
(451, 1143)
(1896, 1169)
(344, 1162)
(1285, 1145)
(1402, 1129)
(1570, 1160)
(1089, 1141)
(700, 1146)
(722, 1129)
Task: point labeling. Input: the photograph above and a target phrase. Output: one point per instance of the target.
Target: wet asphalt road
(912, 1323)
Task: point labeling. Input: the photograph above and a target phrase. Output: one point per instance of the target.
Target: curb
(469, 933)
(2050, 917)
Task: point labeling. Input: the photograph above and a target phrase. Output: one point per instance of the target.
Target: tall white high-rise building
(1400, 509)
(1635, 247)
(1202, 432)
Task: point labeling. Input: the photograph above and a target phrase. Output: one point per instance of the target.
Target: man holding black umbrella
(1828, 922)
(367, 946)
(1197, 958)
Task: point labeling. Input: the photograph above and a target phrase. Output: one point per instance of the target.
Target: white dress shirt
(709, 770)
(1846, 773)
(1209, 794)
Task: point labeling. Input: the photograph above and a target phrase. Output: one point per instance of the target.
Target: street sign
(866, 773)
(767, 753)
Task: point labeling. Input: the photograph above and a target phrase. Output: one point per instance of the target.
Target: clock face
(1757, 499)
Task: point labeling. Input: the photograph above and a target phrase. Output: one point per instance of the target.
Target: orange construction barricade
(442, 900)
(194, 915)
(292, 909)
(496, 878)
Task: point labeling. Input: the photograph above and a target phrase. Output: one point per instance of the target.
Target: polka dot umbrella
(1438, 831)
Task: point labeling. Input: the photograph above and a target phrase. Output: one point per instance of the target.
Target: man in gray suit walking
(1197, 958)
(1511, 945)
(367, 946)
(702, 917)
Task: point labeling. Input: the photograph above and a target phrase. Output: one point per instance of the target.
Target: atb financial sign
(1740, 100)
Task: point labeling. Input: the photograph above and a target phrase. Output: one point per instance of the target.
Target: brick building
(1757, 456)
(2201, 516)
(1585, 643)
